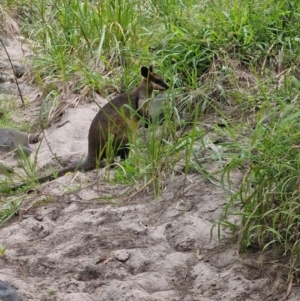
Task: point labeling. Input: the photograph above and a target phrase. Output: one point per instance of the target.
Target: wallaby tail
(73, 167)
(40, 180)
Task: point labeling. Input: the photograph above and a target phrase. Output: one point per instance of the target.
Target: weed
(51, 292)
(2, 250)
(9, 210)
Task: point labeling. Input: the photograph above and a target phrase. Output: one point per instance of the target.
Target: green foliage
(2, 250)
(9, 209)
(76, 36)
(94, 39)
(7, 104)
(157, 150)
(51, 291)
(269, 194)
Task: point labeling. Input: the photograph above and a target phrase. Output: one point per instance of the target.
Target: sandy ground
(114, 242)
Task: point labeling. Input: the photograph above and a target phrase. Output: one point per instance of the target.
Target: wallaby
(114, 122)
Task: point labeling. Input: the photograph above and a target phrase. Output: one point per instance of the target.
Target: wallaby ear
(151, 68)
(145, 71)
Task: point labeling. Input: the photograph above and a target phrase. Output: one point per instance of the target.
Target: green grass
(237, 58)
(8, 210)
(268, 197)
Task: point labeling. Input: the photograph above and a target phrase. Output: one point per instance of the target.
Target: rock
(33, 138)
(7, 292)
(122, 255)
(11, 139)
(4, 78)
(6, 71)
(19, 70)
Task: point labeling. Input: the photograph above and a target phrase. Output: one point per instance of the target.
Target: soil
(117, 242)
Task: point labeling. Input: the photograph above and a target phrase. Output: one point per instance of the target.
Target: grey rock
(7, 292)
(4, 78)
(122, 255)
(6, 72)
(19, 70)
(11, 139)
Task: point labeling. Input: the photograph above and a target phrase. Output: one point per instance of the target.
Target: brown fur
(119, 118)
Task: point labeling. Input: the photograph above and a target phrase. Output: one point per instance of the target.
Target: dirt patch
(82, 246)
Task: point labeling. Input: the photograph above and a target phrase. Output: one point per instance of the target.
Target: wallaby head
(152, 79)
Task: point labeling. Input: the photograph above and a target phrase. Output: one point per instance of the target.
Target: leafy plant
(2, 250)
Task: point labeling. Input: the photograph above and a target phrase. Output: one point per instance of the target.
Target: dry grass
(8, 26)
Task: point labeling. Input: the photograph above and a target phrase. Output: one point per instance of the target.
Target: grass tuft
(267, 200)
